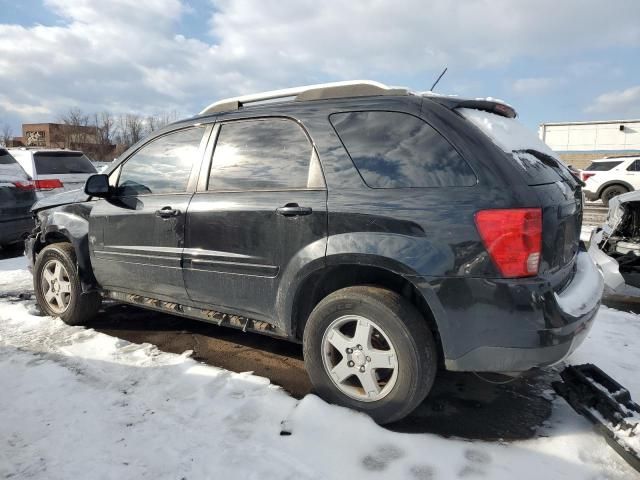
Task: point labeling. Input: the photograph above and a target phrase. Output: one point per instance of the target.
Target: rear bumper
(512, 325)
(15, 230)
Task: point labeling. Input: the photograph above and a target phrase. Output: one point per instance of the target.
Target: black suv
(388, 232)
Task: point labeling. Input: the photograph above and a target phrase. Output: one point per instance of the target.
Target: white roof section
(40, 149)
(350, 88)
(592, 122)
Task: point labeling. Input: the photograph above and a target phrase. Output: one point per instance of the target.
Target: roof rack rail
(350, 88)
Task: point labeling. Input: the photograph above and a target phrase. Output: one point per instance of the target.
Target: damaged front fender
(70, 223)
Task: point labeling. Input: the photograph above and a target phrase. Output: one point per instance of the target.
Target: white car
(610, 177)
(54, 170)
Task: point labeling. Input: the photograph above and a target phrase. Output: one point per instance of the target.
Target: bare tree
(76, 131)
(104, 125)
(156, 122)
(130, 129)
(6, 134)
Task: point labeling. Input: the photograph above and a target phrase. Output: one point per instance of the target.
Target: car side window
(398, 150)
(162, 166)
(634, 167)
(264, 154)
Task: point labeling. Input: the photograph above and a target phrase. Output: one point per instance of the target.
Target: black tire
(406, 329)
(81, 306)
(612, 191)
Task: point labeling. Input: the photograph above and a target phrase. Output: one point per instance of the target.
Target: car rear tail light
(513, 238)
(24, 185)
(584, 176)
(49, 184)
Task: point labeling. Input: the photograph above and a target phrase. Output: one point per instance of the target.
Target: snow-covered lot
(75, 403)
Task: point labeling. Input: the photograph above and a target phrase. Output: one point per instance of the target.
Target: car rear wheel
(369, 349)
(57, 286)
(612, 191)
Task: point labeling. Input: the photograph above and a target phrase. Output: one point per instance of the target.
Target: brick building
(578, 143)
(59, 135)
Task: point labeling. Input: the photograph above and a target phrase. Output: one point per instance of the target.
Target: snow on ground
(75, 403)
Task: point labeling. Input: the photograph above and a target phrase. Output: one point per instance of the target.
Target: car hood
(63, 198)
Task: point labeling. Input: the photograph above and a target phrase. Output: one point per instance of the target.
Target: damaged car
(615, 247)
(391, 233)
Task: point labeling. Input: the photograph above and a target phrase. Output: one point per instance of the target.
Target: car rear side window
(162, 166)
(264, 154)
(6, 158)
(634, 167)
(60, 163)
(398, 150)
(602, 166)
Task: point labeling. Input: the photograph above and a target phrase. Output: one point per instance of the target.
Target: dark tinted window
(635, 166)
(398, 150)
(602, 166)
(266, 154)
(162, 166)
(57, 163)
(9, 167)
(6, 158)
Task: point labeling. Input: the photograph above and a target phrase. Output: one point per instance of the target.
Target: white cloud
(535, 85)
(128, 55)
(618, 103)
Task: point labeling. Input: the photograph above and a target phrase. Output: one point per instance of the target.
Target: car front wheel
(57, 286)
(369, 349)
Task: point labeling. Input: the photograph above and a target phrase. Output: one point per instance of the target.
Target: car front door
(136, 235)
(261, 208)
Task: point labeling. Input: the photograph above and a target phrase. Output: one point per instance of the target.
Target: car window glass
(398, 150)
(634, 166)
(162, 166)
(62, 163)
(264, 154)
(602, 166)
(9, 167)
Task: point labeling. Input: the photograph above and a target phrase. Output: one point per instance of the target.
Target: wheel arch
(322, 282)
(60, 226)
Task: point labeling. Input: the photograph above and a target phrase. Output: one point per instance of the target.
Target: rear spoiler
(487, 105)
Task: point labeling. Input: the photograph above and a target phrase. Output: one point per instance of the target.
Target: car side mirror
(97, 186)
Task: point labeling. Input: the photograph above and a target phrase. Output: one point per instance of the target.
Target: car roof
(42, 150)
(617, 159)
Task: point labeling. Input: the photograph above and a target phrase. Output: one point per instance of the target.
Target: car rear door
(136, 235)
(259, 213)
(632, 174)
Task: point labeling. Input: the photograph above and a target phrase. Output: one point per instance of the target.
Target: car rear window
(537, 161)
(56, 163)
(602, 166)
(398, 150)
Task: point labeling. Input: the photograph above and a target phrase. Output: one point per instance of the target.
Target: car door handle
(293, 210)
(167, 212)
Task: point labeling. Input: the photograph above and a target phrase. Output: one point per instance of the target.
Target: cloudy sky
(553, 59)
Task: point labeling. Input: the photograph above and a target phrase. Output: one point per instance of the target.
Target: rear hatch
(70, 168)
(17, 193)
(558, 190)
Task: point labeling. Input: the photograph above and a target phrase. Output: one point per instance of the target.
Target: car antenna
(436, 82)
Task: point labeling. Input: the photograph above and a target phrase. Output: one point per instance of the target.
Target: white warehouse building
(578, 143)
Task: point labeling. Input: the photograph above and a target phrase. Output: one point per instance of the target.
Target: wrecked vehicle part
(605, 403)
(616, 247)
(66, 222)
